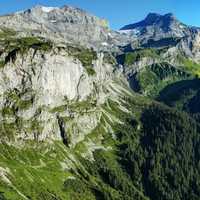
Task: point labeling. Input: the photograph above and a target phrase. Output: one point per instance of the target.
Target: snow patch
(48, 9)
(130, 31)
(104, 43)
(110, 35)
(53, 21)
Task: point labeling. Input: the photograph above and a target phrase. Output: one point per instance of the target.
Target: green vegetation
(90, 71)
(12, 46)
(159, 160)
(152, 79)
(59, 109)
(109, 58)
(33, 42)
(7, 33)
(154, 155)
(189, 65)
(76, 106)
(29, 168)
(8, 130)
(168, 155)
(179, 93)
(86, 56)
(183, 95)
(22, 45)
(131, 57)
(17, 100)
(164, 42)
(193, 105)
(148, 152)
(2, 63)
(77, 189)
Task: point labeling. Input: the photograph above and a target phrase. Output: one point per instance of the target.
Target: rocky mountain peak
(156, 27)
(42, 8)
(153, 19)
(65, 14)
(65, 24)
(85, 111)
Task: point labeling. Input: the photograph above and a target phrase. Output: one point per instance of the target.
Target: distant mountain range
(88, 113)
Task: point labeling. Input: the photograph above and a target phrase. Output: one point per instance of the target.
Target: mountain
(164, 30)
(156, 25)
(88, 113)
(65, 24)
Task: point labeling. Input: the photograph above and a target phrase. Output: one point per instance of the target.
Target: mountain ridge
(87, 113)
(150, 19)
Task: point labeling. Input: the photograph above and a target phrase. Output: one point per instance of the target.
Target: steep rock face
(64, 106)
(190, 45)
(158, 26)
(39, 88)
(66, 24)
(158, 31)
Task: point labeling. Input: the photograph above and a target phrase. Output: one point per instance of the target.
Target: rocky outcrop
(72, 91)
(158, 26)
(158, 31)
(66, 24)
(38, 88)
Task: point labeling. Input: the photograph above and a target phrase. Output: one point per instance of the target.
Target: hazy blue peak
(152, 18)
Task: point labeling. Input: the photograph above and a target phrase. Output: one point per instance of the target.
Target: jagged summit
(74, 14)
(153, 19)
(88, 124)
(64, 24)
(44, 8)
(64, 8)
(156, 26)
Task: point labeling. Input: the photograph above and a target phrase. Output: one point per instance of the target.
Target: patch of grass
(109, 58)
(6, 33)
(7, 111)
(35, 125)
(30, 167)
(24, 104)
(36, 43)
(90, 71)
(76, 106)
(2, 63)
(13, 46)
(131, 57)
(179, 93)
(147, 78)
(83, 106)
(86, 57)
(59, 109)
(80, 147)
(7, 130)
(152, 79)
(189, 65)
(16, 101)
(78, 190)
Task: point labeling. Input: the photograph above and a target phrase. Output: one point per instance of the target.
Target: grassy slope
(41, 164)
(42, 170)
(152, 79)
(183, 95)
(33, 172)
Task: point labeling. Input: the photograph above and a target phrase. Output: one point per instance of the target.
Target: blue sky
(118, 12)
